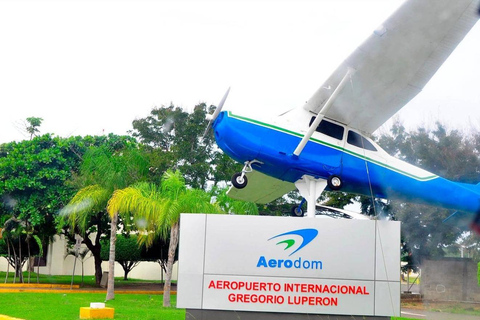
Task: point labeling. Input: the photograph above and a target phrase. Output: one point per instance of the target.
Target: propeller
(215, 114)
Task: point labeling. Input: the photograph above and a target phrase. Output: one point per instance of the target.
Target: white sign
(283, 264)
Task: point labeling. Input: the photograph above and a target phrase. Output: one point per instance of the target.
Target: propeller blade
(216, 112)
(220, 106)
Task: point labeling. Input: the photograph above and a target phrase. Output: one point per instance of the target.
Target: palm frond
(86, 202)
(230, 205)
(173, 184)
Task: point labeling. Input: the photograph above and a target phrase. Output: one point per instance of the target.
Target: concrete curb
(38, 285)
(12, 290)
(3, 317)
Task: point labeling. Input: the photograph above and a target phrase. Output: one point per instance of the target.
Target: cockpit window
(357, 140)
(330, 129)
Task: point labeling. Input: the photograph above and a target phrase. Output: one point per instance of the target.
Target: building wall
(452, 279)
(58, 264)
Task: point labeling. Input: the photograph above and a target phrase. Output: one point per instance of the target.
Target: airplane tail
(475, 225)
(472, 187)
(464, 221)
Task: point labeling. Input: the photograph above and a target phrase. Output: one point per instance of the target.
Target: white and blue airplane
(325, 144)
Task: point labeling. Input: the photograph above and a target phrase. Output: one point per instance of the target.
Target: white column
(311, 188)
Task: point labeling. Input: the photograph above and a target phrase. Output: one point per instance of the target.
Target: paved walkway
(413, 288)
(430, 315)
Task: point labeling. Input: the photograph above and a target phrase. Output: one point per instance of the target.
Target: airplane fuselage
(335, 149)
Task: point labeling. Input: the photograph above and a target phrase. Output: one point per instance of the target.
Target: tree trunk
(111, 259)
(172, 247)
(126, 265)
(14, 262)
(20, 266)
(29, 264)
(38, 270)
(82, 273)
(8, 262)
(97, 260)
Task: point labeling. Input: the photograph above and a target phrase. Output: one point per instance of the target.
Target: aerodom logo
(294, 241)
(307, 236)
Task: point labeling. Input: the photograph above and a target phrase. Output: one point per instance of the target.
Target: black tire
(238, 181)
(297, 212)
(334, 182)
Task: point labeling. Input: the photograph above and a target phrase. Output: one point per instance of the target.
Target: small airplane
(325, 144)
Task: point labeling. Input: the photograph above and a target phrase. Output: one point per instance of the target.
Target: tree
(178, 138)
(104, 170)
(33, 125)
(229, 205)
(32, 181)
(20, 245)
(449, 153)
(35, 175)
(452, 155)
(158, 252)
(128, 252)
(84, 215)
(80, 254)
(159, 210)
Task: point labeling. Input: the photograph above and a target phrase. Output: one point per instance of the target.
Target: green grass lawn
(59, 306)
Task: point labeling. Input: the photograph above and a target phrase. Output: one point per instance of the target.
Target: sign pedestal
(297, 268)
(198, 314)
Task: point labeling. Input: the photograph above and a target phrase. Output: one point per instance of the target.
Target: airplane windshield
(330, 129)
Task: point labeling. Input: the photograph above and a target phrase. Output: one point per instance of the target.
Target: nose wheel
(334, 182)
(239, 179)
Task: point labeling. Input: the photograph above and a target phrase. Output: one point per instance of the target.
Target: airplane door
(360, 164)
(329, 143)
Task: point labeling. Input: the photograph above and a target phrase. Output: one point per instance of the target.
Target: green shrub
(478, 273)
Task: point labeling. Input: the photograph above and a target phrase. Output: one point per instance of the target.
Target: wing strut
(322, 112)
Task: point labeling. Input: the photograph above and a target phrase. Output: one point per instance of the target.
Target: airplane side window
(330, 129)
(357, 140)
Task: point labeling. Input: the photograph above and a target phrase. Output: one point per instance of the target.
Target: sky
(92, 67)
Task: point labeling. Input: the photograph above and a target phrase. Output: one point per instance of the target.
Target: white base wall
(58, 265)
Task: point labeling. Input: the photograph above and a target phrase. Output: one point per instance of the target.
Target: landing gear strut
(297, 211)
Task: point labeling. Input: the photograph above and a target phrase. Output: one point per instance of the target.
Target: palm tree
(102, 172)
(84, 211)
(156, 211)
(82, 255)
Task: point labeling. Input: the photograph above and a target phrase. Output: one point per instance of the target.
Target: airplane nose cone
(219, 119)
(217, 126)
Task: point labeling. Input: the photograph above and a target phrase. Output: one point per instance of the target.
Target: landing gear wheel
(334, 182)
(239, 180)
(297, 212)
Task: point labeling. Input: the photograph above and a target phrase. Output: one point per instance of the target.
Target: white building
(58, 264)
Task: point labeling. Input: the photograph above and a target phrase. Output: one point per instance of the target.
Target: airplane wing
(393, 65)
(261, 188)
